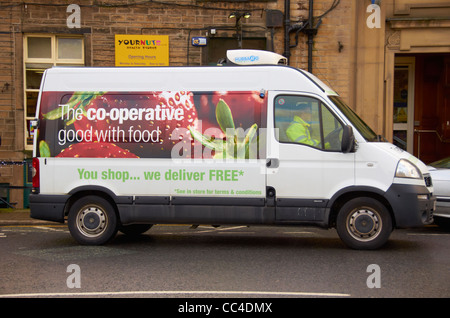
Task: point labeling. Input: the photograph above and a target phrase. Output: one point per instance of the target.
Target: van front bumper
(412, 205)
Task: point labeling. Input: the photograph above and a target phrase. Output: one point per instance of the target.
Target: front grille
(428, 181)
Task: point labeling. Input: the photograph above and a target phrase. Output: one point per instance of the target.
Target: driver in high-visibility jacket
(299, 129)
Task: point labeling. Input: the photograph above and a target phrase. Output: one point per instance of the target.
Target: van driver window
(305, 120)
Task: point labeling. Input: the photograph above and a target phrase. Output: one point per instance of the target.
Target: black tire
(92, 220)
(135, 229)
(364, 223)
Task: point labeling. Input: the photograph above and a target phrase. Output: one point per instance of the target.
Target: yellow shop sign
(142, 50)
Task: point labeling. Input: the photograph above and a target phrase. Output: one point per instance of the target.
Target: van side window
(306, 120)
(332, 130)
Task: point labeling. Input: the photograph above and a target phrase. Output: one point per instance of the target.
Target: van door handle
(272, 163)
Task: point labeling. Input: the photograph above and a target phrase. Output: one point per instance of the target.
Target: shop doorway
(404, 103)
(421, 119)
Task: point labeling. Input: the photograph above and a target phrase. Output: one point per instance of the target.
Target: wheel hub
(364, 224)
(91, 221)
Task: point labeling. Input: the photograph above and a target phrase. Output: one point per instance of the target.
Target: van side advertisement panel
(165, 124)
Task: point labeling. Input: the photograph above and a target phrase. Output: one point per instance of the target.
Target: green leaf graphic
(224, 118)
(233, 146)
(77, 100)
(44, 149)
(207, 141)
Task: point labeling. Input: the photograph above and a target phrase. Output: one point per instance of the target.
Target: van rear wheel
(364, 223)
(92, 220)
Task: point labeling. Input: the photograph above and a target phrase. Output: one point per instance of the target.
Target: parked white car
(440, 174)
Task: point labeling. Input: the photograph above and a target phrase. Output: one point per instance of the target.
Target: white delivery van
(125, 148)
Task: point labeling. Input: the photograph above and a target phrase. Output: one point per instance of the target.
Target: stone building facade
(388, 59)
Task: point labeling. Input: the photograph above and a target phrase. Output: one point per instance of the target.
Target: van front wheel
(92, 220)
(364, 223)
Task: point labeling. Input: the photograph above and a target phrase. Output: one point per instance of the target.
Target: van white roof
(201, 78)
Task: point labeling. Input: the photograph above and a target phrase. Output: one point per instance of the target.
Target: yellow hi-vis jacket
(299, 131)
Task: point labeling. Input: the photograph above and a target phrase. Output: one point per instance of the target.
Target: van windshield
(358, 123)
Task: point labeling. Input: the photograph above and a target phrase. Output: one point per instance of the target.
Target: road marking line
(28, 225)
(300, 233)
(48, 228)
(207, 229)
(222, 229)
(428, 234)
(177, 292)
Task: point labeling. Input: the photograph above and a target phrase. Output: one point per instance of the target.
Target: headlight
(406, 169)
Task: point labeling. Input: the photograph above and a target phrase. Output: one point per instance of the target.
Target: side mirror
(348, 140)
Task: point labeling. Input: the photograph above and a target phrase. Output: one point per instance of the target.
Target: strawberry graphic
(176, 131)
(149, 125)
(96, 150)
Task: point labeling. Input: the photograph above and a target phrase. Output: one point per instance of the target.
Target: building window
(41, 52)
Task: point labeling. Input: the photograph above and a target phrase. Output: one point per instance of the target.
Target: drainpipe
(310, 32)
(307, 27)
(287, 27)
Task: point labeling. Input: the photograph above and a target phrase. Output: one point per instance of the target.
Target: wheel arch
(346, 194)
(102, 192)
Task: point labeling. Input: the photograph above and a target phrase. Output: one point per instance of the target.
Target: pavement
(14, 217)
